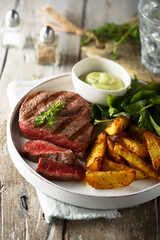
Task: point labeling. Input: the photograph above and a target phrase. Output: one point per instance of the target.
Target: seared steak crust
(72, 129)
(34, 149)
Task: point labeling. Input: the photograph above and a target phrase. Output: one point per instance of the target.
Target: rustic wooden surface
(16, 222)
(128, 55)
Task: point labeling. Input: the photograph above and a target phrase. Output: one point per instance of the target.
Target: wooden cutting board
(128, 55)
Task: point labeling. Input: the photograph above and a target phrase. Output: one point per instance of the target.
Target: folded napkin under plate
(54, 209)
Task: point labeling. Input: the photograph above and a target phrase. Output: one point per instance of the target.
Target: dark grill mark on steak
(42, 103)
(80, 132)
(65, 125)
(72, 130)
(73, 107)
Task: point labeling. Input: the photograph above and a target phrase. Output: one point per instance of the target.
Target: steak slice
(34, 149)
(54, 170)
(72, 130)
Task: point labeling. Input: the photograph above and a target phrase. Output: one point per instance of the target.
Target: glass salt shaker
(12, 32)
(46, 47)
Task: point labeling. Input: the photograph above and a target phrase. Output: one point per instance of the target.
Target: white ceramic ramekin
(98, 64)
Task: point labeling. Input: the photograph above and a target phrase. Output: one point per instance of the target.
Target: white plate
(75, 193)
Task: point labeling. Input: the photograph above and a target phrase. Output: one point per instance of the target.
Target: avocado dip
(103, 80)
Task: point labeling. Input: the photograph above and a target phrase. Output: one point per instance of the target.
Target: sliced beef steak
(72, 130)
(34, 149)
(53, 170)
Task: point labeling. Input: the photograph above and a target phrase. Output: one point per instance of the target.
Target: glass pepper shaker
(12, 33)
(46, 47)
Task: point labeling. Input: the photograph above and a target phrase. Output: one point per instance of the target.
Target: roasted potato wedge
(140, 175)
(137, 134)
(136, 161)
(110, 179)
(118, 125)
(97, 152)
(153, 145)
(133, 146)
(123, 134)
(111, 153)
(109, 165)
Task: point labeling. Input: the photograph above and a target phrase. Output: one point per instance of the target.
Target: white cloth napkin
(52, 208)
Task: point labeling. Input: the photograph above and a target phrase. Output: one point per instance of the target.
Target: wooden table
(17, 222)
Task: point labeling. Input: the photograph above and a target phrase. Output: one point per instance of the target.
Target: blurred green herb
(35, 76)
(50, 116)
(118, 33)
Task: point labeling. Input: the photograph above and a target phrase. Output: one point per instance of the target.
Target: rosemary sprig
(50, 116)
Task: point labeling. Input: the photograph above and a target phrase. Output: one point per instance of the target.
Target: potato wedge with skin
(110, 179)
(136, 161)
(133, 146)
(97, 152)
(118, 125)
(137, 134)
(153, 145)
(111, 153)
(108, 165)
(123, 134)
(140, 175)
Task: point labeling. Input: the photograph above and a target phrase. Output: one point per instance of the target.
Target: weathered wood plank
(100, 12)
(16, 222)
(135, 223)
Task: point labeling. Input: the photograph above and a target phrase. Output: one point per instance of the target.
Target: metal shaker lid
(47, 35)
(12, 18)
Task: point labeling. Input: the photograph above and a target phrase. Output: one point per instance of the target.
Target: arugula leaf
(154, 111)
(136, 107)
(131, 89)
(145, 122)
(122, 114)
(155, 100)
(144, 94)
(113, 111)
(116, 103)
(113, 103)
(97, 112)
(141, 103)
(155, 125)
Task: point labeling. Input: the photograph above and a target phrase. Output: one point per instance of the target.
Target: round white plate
(75, 193)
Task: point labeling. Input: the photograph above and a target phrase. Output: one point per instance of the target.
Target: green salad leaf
(141, 103)
(97, 112)
(155, 125)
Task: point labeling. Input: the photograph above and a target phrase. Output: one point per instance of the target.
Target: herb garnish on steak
(50, 116)
(72, 130)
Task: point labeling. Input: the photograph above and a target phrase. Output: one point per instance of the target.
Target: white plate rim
(10, 142)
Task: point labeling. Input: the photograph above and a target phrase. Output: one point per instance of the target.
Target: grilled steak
(53, 170)
(34, 149)
(72, 129)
